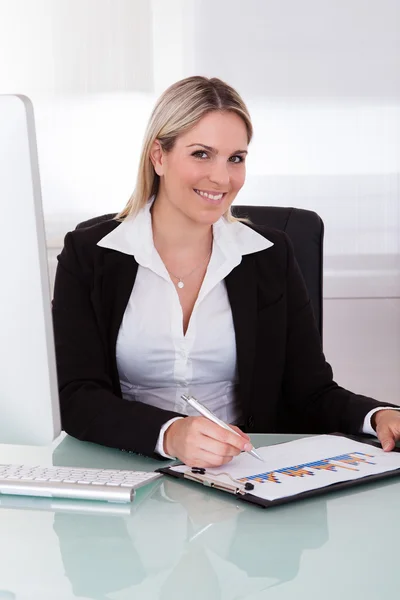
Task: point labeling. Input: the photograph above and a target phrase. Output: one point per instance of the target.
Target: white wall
(75, 46)
(322, 82)
(310, 49)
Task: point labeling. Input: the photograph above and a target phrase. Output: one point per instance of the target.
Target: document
(304, 465)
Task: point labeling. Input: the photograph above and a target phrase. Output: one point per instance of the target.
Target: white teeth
(210, 196)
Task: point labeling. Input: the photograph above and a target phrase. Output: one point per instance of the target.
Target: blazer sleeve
(308, 386)
(90, 408)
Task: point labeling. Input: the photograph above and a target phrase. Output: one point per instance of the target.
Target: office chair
(305, 230)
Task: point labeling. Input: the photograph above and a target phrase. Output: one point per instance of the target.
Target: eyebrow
(211, 149)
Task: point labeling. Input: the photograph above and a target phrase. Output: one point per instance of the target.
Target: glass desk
(179, 540)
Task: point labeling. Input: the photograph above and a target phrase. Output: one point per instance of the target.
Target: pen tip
(256, 455)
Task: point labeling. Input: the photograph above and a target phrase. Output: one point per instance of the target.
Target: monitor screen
(29, 405)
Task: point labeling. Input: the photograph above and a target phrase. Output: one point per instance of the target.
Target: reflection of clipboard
(342, 470)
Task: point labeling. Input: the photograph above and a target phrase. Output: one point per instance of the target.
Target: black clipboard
(212, 482)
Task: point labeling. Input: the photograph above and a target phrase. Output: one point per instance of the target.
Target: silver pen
(209, 415)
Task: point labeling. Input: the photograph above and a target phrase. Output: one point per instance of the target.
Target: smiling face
(202, 174)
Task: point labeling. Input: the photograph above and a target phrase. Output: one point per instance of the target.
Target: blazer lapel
(241, 284)
(114, 287)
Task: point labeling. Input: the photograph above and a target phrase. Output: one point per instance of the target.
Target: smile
(210, 196)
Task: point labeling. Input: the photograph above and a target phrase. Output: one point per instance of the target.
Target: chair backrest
(305, 230)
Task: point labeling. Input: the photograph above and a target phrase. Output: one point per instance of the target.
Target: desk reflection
(182, 541)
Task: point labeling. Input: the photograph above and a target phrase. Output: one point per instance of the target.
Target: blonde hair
(178, 109)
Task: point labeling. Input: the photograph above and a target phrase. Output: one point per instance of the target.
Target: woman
(175, 296)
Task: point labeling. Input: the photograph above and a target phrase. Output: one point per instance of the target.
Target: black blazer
(285, 384)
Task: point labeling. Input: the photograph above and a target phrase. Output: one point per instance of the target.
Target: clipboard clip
(200, 475)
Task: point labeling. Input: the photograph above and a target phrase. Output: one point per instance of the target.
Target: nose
(219, 173)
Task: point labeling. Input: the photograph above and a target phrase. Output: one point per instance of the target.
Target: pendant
(180, 284)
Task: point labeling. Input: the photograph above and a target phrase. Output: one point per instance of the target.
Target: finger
(216, 447)
(248, 445)
(214, 431)
(240, 432)
(203, 458)
(386, 438)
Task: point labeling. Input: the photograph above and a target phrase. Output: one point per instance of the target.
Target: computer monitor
(29, 404)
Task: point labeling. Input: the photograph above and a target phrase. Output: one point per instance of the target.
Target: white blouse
(156, 361)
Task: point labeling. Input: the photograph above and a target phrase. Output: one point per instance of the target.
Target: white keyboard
(68, 482)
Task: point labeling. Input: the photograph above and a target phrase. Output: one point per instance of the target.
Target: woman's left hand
(387, 426)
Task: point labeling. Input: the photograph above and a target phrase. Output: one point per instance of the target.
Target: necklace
(180, 283)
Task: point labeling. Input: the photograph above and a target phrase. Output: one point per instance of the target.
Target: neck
(174, 232)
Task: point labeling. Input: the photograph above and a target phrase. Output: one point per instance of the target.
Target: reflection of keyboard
(75, 506)
(67, 482)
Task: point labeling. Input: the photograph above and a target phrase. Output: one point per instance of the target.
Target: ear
(157, 157)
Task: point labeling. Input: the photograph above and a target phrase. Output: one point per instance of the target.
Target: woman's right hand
(198, 442)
